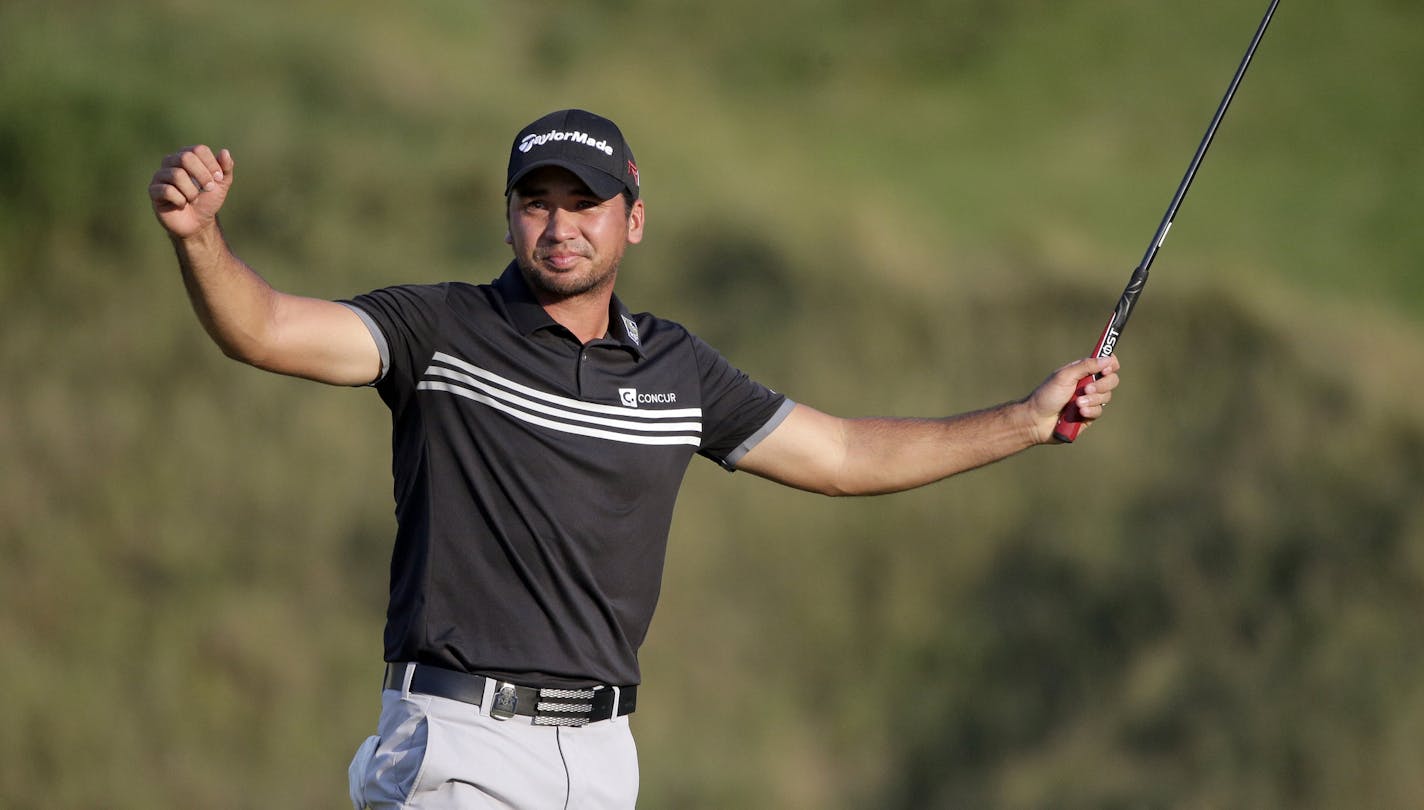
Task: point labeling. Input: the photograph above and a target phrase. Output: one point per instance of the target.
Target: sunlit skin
(567, 242)
(568, 245)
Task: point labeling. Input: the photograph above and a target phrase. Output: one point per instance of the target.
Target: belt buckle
(505, 701)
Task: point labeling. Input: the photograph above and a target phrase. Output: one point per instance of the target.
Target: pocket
(399, 756)
(429, 776)
(356, 772)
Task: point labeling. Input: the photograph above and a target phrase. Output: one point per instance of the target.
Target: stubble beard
(550, 284)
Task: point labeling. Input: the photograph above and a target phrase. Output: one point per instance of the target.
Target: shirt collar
(529, 317)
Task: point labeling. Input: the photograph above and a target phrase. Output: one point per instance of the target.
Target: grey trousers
(431, 753)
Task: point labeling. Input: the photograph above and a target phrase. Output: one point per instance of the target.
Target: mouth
(561, 261)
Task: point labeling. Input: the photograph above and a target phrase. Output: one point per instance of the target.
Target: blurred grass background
(1212, 600)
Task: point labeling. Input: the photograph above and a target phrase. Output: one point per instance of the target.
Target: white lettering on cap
(532, 140)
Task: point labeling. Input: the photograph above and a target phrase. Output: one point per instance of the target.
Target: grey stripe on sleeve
(730, 462)
(376, 335)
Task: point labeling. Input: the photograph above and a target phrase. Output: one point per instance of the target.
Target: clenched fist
(189, 188)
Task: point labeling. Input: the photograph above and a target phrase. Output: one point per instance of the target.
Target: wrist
(1025, 422)
(205, 239)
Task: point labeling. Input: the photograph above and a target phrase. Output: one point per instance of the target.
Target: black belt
(548, 707)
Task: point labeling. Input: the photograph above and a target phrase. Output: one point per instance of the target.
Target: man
(540, 434)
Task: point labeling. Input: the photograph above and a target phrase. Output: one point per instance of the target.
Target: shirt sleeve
(404, 320)
(737, 411)
(378, 336)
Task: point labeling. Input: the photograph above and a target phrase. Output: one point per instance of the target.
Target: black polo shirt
(535, 477)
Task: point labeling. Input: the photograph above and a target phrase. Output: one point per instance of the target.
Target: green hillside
(1211, 600)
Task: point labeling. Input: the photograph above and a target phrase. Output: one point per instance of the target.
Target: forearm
(818, 452)
(892, 454)
(234, 304)
(251, 322)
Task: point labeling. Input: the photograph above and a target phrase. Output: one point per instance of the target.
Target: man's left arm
(818, 452)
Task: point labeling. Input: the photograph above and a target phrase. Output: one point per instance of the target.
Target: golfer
(540, 432)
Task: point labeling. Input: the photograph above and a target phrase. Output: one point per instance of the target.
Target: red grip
(1070, 421)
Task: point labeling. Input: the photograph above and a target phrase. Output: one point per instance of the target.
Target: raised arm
(248, 319)
(822, 453)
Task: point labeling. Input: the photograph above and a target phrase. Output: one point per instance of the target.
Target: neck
(586, 315)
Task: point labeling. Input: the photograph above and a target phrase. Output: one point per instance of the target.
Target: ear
(635, 222)
(508, 237)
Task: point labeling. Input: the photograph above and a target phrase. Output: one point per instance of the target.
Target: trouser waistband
(548, 707)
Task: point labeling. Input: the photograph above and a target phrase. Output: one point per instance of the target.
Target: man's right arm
(248, 319)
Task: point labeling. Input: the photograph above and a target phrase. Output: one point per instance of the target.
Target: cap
(590, 146)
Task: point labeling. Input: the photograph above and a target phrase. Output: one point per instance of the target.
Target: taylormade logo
(531, 140)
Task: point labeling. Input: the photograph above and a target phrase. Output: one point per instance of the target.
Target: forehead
(551, 180)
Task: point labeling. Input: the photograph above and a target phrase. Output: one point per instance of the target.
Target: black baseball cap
(590, 146)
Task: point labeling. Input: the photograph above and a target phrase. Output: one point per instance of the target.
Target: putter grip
(1070, 421)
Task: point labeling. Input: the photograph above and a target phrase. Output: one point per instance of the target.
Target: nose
(560, 225)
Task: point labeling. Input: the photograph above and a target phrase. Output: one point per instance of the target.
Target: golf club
(1070, 421)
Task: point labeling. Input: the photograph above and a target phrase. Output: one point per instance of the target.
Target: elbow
(838, 488)
(857, 484)
(231, 348)
(246, 352)
(250, 344)
(839, 481)
(234, 352)
(849, 492)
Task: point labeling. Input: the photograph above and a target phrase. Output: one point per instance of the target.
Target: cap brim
(603, 185)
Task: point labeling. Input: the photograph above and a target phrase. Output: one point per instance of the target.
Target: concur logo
(630, 397)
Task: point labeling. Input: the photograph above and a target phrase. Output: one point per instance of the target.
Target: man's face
(566, 241)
